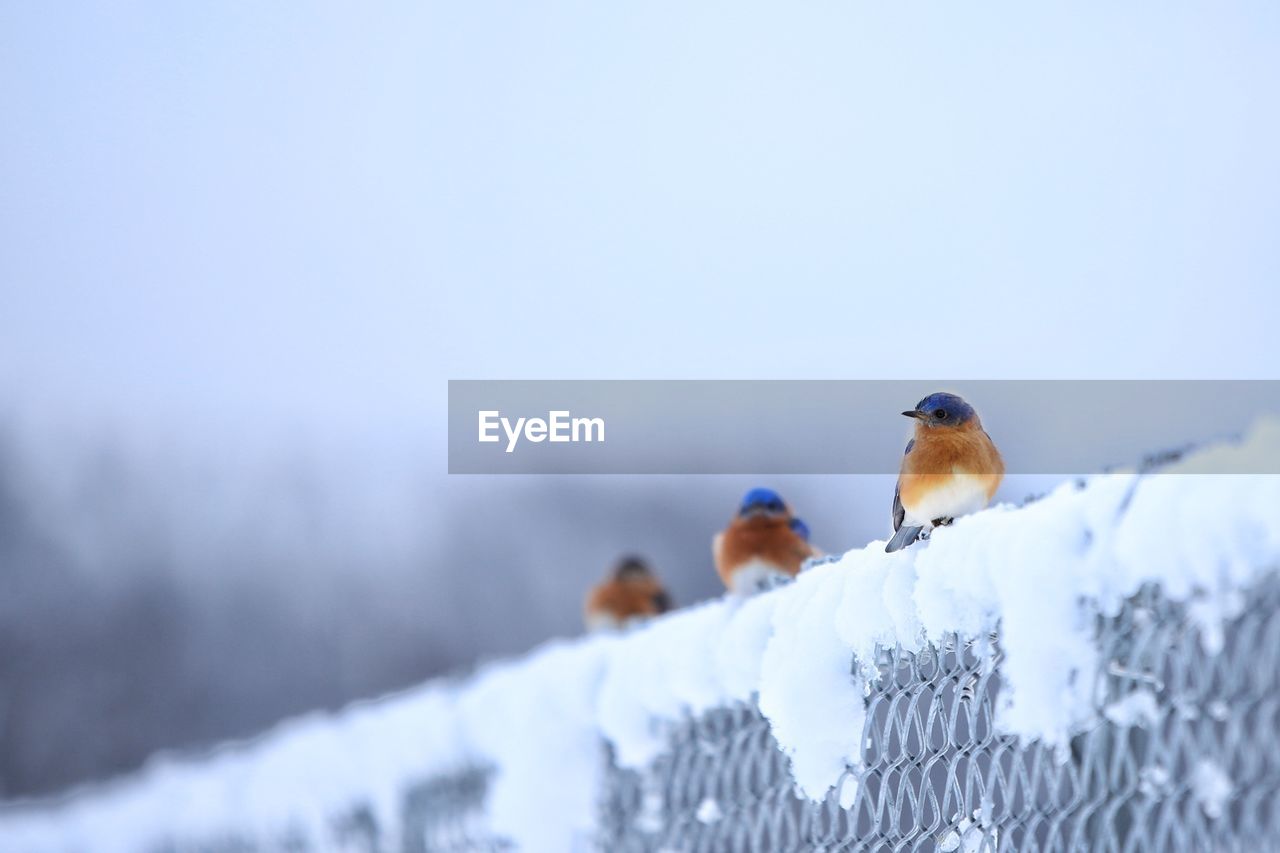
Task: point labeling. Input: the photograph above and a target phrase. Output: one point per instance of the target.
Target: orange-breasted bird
(951, 468)
(763, 543)
(631, 594)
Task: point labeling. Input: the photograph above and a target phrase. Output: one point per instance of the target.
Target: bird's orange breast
(939, 454)
(625, 599)
(764, 538)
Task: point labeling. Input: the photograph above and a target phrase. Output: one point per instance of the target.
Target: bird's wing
(898, 512)
(904, 537)
(661, 601)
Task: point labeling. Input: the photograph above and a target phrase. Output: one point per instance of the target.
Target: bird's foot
(945, 521)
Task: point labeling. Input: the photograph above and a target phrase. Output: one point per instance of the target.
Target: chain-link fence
(1189, 760)
(1197, 767)
(447, 815)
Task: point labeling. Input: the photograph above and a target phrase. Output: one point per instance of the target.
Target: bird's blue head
(942, 410)
(630, 567)
(801, 529)
(762, 502)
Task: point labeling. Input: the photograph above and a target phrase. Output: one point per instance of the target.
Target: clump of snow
(740, 648)
(709, 811)
(1153, 781)
(649, 818)
(1211, 788)
(1139, 708)
(534, 721)
(1040, 573)
(662, 672)
(968, 837)
(814, 706)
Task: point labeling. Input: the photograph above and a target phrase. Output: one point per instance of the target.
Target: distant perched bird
(763, 543)
(631, 593)
(950, 468)
(802, 530)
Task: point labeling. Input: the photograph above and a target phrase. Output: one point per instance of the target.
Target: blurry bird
(951, 467)
(802, 530)
(763, 543)
(631, 593)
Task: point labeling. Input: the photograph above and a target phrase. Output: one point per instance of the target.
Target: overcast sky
(243, 215)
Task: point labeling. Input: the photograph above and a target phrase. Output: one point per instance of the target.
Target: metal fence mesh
(446, 815)
(936, 776)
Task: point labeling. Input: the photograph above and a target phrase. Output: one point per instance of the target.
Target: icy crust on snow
(804, 652)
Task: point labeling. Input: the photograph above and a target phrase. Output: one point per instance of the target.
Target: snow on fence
(1098, 670)
(1188, 757)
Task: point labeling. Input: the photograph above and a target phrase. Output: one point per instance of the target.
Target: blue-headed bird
(951, 467)
(802, 530)
(630, 594)
(762, 544)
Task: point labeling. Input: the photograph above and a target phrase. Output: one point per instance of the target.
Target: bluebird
(951, 467)
(630, 594)
(762, 543)
(802, 530)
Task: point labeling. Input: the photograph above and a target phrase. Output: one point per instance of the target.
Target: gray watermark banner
(1067, 427)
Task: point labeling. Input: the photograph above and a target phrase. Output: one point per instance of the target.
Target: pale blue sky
(246, 213)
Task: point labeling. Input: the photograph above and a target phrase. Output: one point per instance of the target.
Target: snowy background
(242, 248)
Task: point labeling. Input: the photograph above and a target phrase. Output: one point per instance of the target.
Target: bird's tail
(904, 537)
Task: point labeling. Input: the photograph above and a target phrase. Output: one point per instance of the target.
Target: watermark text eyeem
(559, 426)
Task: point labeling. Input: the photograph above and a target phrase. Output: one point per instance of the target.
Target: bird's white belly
(600, 622)
(756, 575)
(962, 494)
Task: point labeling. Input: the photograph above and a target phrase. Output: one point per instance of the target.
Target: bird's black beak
(915, 414)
